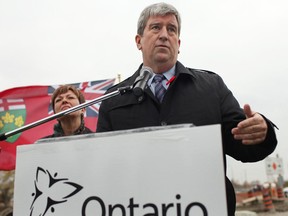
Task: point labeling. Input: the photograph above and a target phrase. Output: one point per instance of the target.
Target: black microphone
(141, 81)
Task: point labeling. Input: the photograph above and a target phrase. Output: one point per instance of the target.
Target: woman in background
(63, 98)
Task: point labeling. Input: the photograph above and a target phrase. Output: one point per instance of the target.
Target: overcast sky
(66, 41)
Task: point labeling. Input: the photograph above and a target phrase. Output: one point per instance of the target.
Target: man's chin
(162, 58)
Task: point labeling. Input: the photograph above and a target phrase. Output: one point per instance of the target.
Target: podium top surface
(113, 133)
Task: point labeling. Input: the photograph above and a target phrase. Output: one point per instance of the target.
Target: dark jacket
(58, 131)
(195, 96)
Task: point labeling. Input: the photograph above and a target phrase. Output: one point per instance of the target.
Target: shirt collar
(168, 75)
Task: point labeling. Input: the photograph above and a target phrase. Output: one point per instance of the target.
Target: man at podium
(176, 94)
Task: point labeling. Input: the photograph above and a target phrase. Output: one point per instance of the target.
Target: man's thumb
(247, 110)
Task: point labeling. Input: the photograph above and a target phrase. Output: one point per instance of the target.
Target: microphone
(141, 81)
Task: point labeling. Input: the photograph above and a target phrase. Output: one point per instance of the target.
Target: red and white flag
(24, 105)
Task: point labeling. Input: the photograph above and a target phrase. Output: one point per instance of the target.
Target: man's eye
(155, 27)
(172, 29)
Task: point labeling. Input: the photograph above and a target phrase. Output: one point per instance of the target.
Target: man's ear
(179, 42)
(138, 42)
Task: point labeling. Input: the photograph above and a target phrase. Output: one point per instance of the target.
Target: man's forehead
(159, 19)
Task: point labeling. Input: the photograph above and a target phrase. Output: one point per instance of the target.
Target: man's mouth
(162, 46)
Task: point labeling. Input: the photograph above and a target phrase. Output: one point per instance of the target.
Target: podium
(169, 171)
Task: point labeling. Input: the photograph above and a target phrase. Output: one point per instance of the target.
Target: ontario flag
(24, 105)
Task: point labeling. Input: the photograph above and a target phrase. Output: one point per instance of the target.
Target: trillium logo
(50, 191)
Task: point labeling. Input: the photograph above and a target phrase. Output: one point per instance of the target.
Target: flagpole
(121, 91)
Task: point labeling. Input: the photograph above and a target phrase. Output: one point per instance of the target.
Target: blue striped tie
(159, 88)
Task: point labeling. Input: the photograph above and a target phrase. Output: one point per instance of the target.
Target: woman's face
(65, 101)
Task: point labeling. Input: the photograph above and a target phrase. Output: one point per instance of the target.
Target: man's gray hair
(158, 9)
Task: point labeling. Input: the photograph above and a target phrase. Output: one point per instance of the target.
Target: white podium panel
(171, 172)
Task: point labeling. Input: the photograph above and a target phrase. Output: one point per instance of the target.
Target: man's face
(160, 42)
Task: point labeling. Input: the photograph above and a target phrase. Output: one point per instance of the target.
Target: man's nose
(163, 34)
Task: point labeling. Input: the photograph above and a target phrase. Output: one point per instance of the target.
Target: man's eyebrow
(173, 24)
(159, 23)
(154, 23)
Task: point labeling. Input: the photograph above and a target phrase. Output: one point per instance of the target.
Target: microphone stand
(121, 91)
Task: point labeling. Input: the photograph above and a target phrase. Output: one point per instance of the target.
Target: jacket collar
(180, 69)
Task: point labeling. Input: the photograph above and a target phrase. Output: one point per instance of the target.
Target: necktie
(159, 88)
